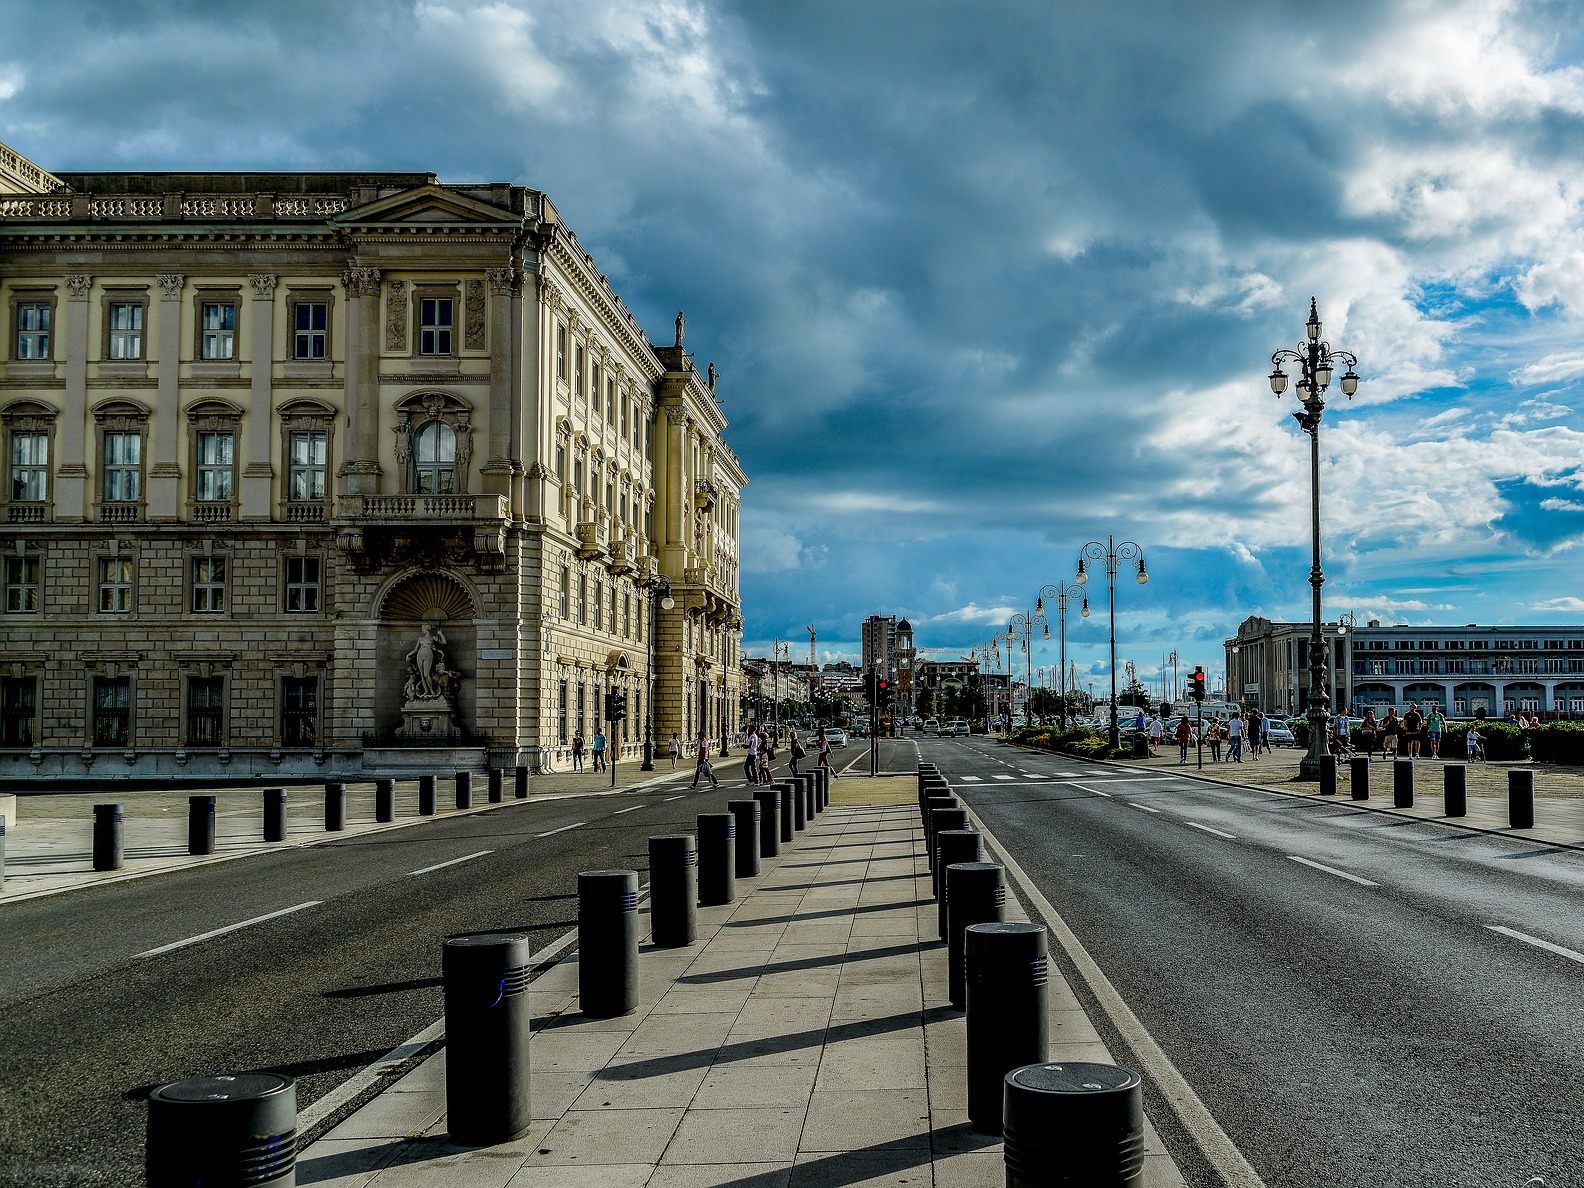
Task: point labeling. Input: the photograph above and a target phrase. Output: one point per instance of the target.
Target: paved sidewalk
(49, 846)
(805, 1039)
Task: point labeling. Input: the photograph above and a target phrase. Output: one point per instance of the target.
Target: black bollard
(769, 802)
(823, 776)
(746, 813)
(335, 807)
(108, 832)
(800, 819)
(2, 850)
(495, 782)
(1360, 768)
(935, 802)
(1402, 783)
(787, 830)
(811, 796)
(384, 801)
(1328, 775)
(975, 894)
(1008, 1021)
(673, 890)
(274, 814)
(1085, 1119)
(716, 838)
(951, 847)
(520, 775)
(487, 1021)
(607, 942)
(943, 818)
(223, 1130)
(464, 790)
(200, 824)
(1455, 790)
(1520, 798)
(426, 796)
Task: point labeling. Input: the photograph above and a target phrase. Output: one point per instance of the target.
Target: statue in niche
(428, 679)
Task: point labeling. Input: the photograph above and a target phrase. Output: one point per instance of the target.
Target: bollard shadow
(779, 887)
(1540, 853)
(294, 1069)
(801, 963)
(383, 988)
(759, 921)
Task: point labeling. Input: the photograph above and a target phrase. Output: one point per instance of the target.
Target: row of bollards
(242, 1129)
(1068, 1123)
(109, 828)
(1454, 791)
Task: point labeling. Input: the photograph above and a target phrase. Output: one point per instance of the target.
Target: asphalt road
(91, 1019)
(1360, 1021)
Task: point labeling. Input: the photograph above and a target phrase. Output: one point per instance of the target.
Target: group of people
(1250, 729)
(580, 744)
(759, 752)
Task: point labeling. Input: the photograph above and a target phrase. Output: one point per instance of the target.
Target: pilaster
(71, 482)
(257, 475)
(164, 471)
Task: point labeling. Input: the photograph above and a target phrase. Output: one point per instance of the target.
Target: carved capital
(550, 293)
(170, 284)
(502, 281)
(263, 285)
(361, 282)
(77, 285)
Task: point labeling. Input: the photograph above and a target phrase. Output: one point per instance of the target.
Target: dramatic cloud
(985, 282)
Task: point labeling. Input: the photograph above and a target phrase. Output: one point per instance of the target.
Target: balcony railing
(394, 509)
(25, 513)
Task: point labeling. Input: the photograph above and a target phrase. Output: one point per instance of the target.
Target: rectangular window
(123, 467)
(309, 329)
(299, 711)
(566, 592)
(115, 585)
(208, 585)
(29, 467)
(577, 369)
(582, 600)
(594, 382)
(218, 325)
(112, 711)
(33, 330)
(302, 584)
(560, 465)
(561, 728)
(579, 718)
(205, 710)
(599, 606)
(21, 585)
(18, 709)
(561, 365)
(213, 481)
(305, 475)
(610, 401)
(435, 321)
(625, 404)
(126, 329)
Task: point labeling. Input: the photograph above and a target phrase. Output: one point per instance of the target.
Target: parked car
(836, 736)
(1281, 735)
(955, 727)
(932, 726)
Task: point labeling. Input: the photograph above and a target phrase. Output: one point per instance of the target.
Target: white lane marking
(1207, 829)
(634, 809)
(1341, 874)
(443, 865)
(1002, 777)
(563, 829)
(203, 936)
(1537, 942)
(669, 799)
(972, 779)
(1137, 805)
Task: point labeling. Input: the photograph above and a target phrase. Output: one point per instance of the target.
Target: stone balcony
(593, 539)
(381, 529)
(624, 554)
(405, 509)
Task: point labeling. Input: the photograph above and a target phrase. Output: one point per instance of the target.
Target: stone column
(360, 472)
(164, 470)
(497, 469)
(71, 477)
(1446, 688)
(257, 473)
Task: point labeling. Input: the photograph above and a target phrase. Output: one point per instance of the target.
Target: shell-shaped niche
(428, 596)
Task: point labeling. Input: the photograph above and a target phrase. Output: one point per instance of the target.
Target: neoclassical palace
(342, 472)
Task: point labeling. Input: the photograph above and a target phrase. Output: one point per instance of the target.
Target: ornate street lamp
(659, 591)
(1061, 595)
(1020, 628)
(779, 650)
(1316, 361)
(1112, 554)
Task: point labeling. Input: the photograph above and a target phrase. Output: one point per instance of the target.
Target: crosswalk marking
(973, 779)
(1006, 777)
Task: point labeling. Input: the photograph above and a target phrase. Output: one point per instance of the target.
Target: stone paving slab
(827, 1055)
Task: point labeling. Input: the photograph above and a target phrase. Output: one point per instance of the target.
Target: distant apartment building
(880, 645)
(1464, 671)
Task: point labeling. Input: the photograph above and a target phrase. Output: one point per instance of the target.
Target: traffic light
(883, 689)
(871, 686)
(1196, 684)
(615, 707)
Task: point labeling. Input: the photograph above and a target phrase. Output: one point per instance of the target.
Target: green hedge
(1076, 740)
(1557, 742)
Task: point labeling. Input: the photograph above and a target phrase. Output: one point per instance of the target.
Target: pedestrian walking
(1184, 737)
(1369, 733)
(1340, 736)
(1251, 732)
(1234, 739)
(766, 755)
(1391, 729)
(577, 751)
(751, 756)
(1264, 732)
(1157, 729)
(1212, 739)
(704, 768)
(599, 749)
(824, 754)
(1474, 741)
(1412, 724)
(795, 750)
(1435, 725)
(676, 749)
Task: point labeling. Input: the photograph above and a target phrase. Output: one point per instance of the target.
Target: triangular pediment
(425, 206)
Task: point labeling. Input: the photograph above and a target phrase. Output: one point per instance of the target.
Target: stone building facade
(342, 472)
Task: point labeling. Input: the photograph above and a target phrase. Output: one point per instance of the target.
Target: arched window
(434, 459)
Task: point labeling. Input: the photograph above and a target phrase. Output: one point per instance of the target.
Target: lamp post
(1021, 628)
(981, 652)
(779, 650)
(1316, 360)
(1112, 554)
(1345, 625)
(659, 591)
(1061, 594)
